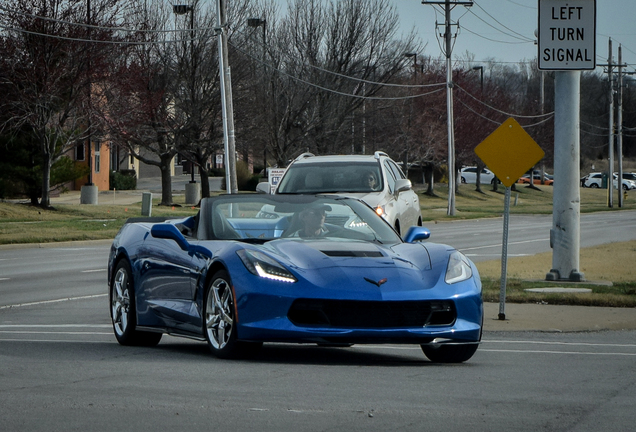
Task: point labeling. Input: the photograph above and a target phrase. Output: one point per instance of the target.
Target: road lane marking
(48, 332)
(93, 271)
(558, 352)
(560, 343)
(509, 243)
(54, 325)
(52, 301)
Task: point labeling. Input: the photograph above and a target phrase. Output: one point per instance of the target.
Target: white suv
(376, 180)
(594, 180)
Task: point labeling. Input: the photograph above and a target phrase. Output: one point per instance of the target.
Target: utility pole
(226, 100)
(619, 127)
(610, 176)
(615, 131)
(448, 37)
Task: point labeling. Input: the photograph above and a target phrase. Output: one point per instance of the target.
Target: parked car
(236, 277)
(469, 175)
(375, 179)
(595, 180)
(629, 176)
(536, 179)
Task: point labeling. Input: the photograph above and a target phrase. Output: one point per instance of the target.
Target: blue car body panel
(170, 282)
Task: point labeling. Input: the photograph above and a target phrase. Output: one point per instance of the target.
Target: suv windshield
(359, 177)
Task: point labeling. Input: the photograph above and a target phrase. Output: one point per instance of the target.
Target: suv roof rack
(378, 154)
(304, 156)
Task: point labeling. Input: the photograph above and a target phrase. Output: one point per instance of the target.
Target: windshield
(357, 177)
(261, 218)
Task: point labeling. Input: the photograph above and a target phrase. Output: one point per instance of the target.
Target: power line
(295, 78)
(503, 112)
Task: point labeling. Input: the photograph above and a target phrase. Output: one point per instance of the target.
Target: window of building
(80, 152)
(97, 158)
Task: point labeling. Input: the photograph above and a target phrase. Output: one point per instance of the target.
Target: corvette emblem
(378, 283)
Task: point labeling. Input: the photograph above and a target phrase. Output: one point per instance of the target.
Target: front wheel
(220, 320)
(463, 180)
(449, 353)
(122, 310)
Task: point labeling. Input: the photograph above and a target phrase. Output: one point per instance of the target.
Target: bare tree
(137, 107)
(324, 60)
(48, 54)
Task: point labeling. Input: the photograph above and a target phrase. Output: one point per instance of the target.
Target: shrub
(123, 180)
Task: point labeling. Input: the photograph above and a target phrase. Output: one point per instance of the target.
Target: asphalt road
(61, 368)
(481, 239)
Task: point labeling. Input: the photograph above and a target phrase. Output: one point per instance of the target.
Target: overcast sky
(483, 29)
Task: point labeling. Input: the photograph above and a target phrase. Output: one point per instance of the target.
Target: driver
(313, 221)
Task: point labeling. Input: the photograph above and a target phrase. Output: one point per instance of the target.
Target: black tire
(123, 311)
(219, 321)
(449, 353)
(594, 185)
(625, 187)
(463, 180)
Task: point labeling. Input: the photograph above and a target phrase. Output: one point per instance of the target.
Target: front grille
(371, 314)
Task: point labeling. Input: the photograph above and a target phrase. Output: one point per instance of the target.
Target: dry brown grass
(613, 262)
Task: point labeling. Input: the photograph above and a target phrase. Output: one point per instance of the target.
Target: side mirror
(263, 187)
(402, 185)
(169, 232)
(417, 233)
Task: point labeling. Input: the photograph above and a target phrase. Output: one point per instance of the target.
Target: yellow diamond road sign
(509, 152)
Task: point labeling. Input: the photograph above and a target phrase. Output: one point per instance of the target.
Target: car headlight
(261, 265)
(458, 268)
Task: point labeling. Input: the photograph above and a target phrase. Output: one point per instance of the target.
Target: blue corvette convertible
(253, 268)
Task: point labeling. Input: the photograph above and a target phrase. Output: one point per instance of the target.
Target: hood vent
(355, 253)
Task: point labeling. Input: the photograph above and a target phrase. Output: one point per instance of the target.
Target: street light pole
(258, 22)
(226, 100)
(182, 10)
(408, 131)
(481, 77)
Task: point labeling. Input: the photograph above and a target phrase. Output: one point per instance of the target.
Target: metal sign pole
(504, 256)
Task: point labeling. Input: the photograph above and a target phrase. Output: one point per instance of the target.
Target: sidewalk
(128, 197)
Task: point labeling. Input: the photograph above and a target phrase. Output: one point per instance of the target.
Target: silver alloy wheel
(219, 320)
(120, 302)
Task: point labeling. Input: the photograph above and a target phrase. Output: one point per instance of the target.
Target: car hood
(334, 263)
(373, 199)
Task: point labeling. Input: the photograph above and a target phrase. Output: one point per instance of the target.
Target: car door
(166, 288)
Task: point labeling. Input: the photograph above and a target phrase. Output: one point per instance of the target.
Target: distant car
(595, 180)
(236, 277)
(375, 179)
(469, 175)
(536, 179)
(629, 176)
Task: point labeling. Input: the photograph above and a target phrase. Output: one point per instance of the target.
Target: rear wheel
(449, 353)
(122, 310)
(220, 320)
(594, 185)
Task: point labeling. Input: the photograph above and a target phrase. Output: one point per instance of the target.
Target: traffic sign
(509, 152)
(567, 34)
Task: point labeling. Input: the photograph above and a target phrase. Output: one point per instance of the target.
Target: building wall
(99, 157)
